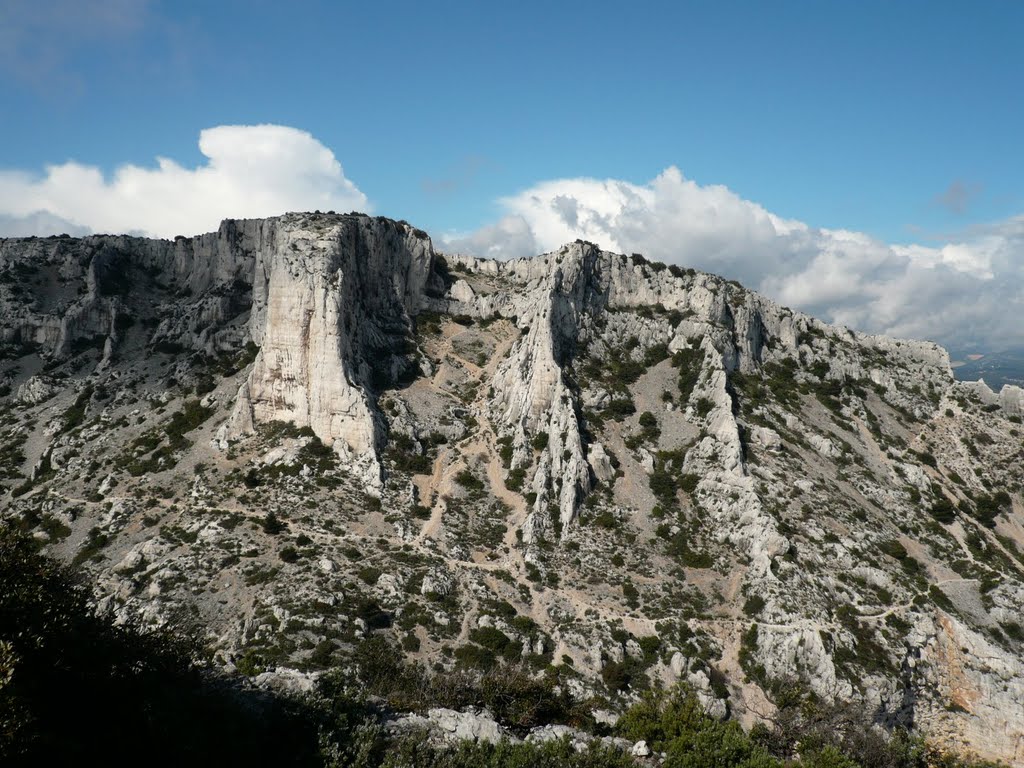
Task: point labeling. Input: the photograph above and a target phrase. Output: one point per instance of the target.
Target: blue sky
(857, 115)
(901, 121)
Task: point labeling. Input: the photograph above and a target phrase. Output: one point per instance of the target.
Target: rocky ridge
(302, 431)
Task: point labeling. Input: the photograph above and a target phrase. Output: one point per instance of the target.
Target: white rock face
(325, 299)
(448, 726)
(824, 446)
(640, 749)
(788, 651)
(437, 582)
(37, 389)
(962, 671)
(810, 464)
(467, 726)
(1010, 398)
(288, 681)
(531, 392)
(331, 302)
(600, 463)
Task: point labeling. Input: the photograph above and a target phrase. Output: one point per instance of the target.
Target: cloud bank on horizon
(966, 293)
(251, 171)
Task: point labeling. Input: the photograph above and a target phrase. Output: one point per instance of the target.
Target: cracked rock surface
(297, 433)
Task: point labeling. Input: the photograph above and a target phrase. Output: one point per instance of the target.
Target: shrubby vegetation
(407, 454)
(804, 732)
(690, 362)
(76, 688)
(75, 415)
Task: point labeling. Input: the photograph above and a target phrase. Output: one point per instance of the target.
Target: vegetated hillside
(67, 673)
(303, 432)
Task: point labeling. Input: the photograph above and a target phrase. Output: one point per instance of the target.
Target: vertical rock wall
(331, 299)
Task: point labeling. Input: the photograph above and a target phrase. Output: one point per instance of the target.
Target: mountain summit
(304, 431)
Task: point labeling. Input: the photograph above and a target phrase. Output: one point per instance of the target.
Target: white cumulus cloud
(250, 171)
(963, 293)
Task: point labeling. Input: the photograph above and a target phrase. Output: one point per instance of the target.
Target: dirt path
(906, 606)
(432, 491)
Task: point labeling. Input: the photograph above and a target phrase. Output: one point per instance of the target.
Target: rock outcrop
(327, 300)
(331, 313)
(309, 430)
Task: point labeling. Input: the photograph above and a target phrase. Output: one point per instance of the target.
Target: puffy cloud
(250, 171)
(507, 239)
(965, 293)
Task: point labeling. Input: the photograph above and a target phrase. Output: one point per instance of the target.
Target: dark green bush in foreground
(77, 690)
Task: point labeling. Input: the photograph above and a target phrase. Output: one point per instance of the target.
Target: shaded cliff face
(304, 430)
(63, 294)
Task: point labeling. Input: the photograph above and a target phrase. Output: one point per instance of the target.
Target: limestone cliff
(304, 430)
(331, 313)
(327, 300)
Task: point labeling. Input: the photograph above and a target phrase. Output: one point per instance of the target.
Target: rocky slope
(301, 431)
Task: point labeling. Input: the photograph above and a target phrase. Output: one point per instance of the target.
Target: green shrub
(1013, 630)
(75, 415)
(655, 354)
(92, 548)
(191, 416)
(664, 481)
(475, 657)
(942, 509)
(369, 574)
(505, 450)
(515, 479)
(619, 408)
(322, 654)
(987, 508)
(402, 450)
(631, 593)
(272, 524)
(469, 481)
(620, 676)
(753, 605)
(491, 638)
(703, 407)
(747, 655)
(893, 549)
